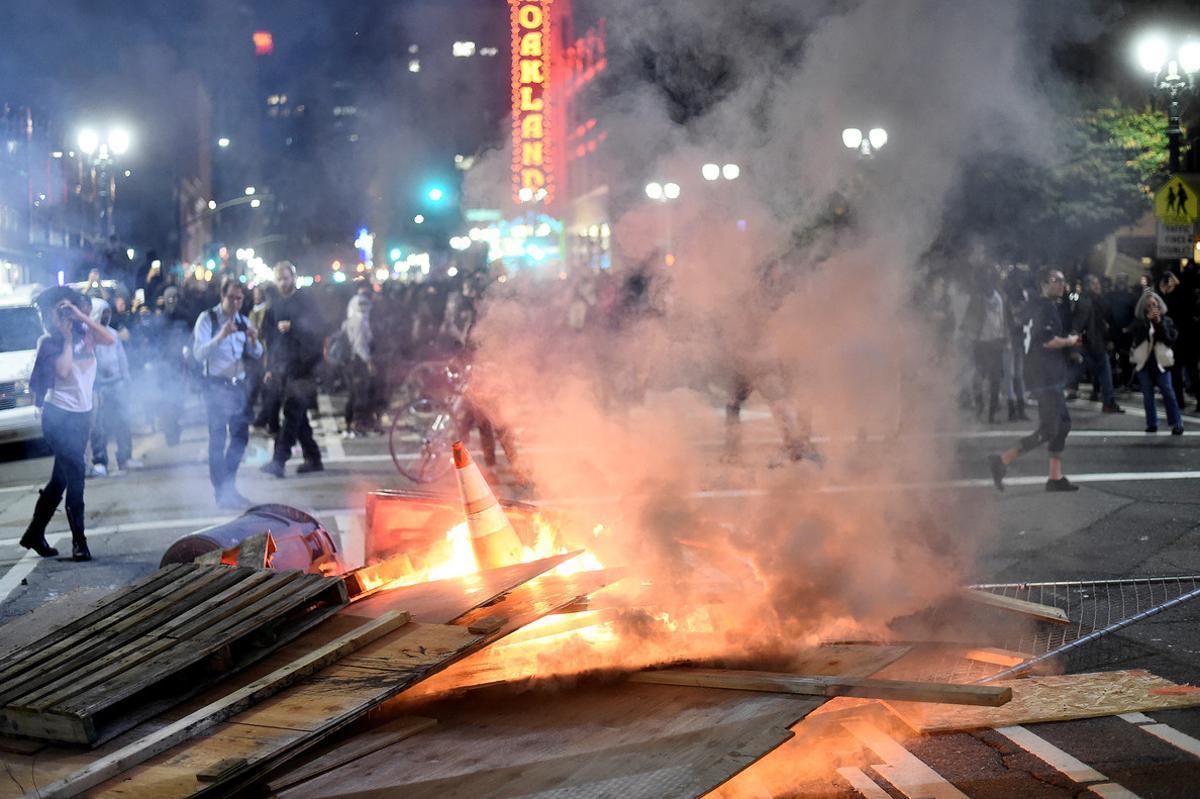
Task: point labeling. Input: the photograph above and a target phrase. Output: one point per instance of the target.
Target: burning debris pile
(484, 652)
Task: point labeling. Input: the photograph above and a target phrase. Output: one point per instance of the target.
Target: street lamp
(1172, 76)
(99, 152)
(866, 144)
(710, 171)
(664, 193)
(223, 142)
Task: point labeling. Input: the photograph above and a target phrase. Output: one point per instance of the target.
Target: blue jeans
(1150, 376)
(228, 415)
(1101, 369)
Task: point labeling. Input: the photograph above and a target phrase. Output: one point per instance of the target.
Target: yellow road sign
(1176, 203)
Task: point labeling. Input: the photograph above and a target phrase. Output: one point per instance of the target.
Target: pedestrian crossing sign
(1176, 203)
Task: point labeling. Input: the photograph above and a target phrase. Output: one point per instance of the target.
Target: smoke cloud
(804, 277)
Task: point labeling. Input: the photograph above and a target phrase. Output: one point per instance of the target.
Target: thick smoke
(803, 276)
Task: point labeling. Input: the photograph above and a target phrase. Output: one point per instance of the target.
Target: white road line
(13, 577)
(1110, 790)
(1174, 737)
(329, 431)
(29, 487)
(904, 770)
(197, 522)
(1047, 752)
(1136, 718)
(860, 782)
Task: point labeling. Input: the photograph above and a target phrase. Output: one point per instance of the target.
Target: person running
(223, 340)
(64, 374)
(1153, 335)
(1046, 371)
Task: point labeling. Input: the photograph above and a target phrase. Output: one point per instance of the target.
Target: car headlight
(22, 393)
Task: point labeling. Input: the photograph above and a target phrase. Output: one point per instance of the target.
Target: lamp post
(665, 193)
(100, 153)
(867, 144)
(1172, 76)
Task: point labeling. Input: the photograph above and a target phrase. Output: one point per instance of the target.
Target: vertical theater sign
(531, 164)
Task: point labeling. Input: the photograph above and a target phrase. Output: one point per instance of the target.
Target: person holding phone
(1046, 369)
(1153, 336)
(64, 374)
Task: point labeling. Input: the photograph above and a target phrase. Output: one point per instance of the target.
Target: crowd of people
(1045, 336)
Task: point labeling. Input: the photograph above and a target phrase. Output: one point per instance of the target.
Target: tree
(1110, 161)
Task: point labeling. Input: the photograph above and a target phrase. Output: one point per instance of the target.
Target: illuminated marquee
(532, 177)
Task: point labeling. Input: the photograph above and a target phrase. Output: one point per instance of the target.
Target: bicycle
(430, 424)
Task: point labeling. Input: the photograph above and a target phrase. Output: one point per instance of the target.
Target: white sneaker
(99, 470)
(132, 465)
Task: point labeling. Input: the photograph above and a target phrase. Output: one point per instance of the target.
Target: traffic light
(436, 194)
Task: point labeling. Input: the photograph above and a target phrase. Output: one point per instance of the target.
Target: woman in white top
(64, 373)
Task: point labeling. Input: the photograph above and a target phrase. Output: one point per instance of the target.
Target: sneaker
(1061, 484)
(132, 465)
(310, 466)
(1114, 408)
(1151, 428)
(98, 470)
(999, 469)
(1177, 431)
(272, 467)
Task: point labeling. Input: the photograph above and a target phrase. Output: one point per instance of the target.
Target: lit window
(414, 65)
(488, 51)
(464, 49)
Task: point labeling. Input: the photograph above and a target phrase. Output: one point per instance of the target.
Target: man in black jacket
(293, 331)
(1046, 370)
(1090, 321)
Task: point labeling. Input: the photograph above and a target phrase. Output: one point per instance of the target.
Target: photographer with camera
(223, 340)
(64, 374)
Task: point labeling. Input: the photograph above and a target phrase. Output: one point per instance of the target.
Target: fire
(548, 543)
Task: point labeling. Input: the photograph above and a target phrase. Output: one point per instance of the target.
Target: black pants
(1054, 423)
(271, 394)
(66, 433)
(360, 409)
(228, 431)
(989, 365)
(112, 421)
(296, 402)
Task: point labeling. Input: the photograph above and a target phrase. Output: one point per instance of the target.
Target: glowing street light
(654, 191)
(866, 144)
(671, 191)
(731, 171)
(118, 141)
(710, 171)
(419, 219)
(89, 140)
(250, 191)
(255, 202)
(212, 205)
(1172, 76)
(435, 194)
(223, 142)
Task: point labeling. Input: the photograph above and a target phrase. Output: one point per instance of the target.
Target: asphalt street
(1135, 515)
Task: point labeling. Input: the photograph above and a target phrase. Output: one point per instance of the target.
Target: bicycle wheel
(426, 379)
(420, 441)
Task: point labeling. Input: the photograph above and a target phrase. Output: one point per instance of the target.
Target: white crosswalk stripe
(1064, 763)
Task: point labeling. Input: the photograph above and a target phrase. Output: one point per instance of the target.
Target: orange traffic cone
(492, 536)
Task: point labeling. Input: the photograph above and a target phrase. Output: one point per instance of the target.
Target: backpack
(338, 352)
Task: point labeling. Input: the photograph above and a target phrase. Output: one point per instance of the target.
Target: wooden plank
(328, 702)
(220, 770)
(211, 715)
(996, 656)
(611, 740)
(117, 641)
(102, 623)
(354, 748)
(196, 649)
(223, 585)
(1054, 698)
(906, 690)
(1046, 613)
(487, 625)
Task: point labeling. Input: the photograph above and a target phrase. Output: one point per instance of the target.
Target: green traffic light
(435, 194)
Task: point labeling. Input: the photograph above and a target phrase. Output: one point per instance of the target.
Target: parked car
(20, 329)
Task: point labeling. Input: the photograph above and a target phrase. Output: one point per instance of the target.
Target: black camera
(78, 328)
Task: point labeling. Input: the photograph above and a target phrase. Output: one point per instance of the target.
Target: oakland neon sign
(531, 163)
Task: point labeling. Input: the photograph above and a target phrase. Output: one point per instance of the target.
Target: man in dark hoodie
(293, 331)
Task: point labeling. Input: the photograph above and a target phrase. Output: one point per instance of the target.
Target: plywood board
(600, 740)
(1054, 698)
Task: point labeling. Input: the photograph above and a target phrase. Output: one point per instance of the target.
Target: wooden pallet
(153, 644)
